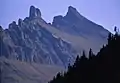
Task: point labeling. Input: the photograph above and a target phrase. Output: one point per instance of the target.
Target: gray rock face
(1, 28)
(29, 41)
(72, 14)
(33, 47)
(74, 22)
(20, 22)
(89, 34)
(34, 40)
(14, 71)
(34, 12)
(38, 12)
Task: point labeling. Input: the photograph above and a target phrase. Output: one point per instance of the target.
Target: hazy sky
(103, 12)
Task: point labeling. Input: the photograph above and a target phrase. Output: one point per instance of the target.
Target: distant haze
(103, 12)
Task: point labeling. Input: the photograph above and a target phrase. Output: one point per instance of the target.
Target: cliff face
(84, 33)
(34, 40)
(74, 23)
(14, 71)
(29, 41)
(35, 50)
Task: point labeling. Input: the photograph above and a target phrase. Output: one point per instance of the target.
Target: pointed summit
(72, 14)
(70, 8)
(73, 11)
(38, 12)
(34, 12)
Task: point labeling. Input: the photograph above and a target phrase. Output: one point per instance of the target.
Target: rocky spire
(34, 12)
(72, 12)
(57, 19)
(73, 15)
(1, 29)
(20, 22)
(72, 9)
(38, 12)
(12, 25)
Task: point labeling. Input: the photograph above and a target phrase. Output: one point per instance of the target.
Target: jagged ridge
(29, 41)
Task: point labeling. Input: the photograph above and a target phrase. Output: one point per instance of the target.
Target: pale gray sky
(103, 12)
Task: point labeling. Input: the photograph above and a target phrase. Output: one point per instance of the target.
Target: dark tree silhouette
(104, 67)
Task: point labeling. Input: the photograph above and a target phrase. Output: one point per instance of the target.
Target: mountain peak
(72, 14)
(34, 12)
(70, 8)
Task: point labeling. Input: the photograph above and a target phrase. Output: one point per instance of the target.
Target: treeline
(104, 67)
